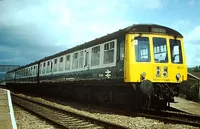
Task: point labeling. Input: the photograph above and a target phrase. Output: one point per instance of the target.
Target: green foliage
(193, 93)
(194, 69)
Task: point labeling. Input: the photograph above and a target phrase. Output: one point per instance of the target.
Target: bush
(193, 93)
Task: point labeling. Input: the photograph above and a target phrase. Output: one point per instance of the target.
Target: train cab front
(156, 63)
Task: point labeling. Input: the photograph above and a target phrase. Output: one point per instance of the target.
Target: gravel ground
(129, 121)
(27, 120)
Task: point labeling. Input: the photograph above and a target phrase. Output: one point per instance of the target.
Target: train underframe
(124, 95)
(157, 95)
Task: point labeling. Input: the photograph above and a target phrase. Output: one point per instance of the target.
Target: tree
(196, 69)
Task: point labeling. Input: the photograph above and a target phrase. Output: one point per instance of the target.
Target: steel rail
(173, 117)
(62, 117)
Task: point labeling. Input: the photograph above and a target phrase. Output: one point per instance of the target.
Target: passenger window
(36, 70)
(95, 57)
(75, 61)
(61, 64)
(86, 58)
(109, 52)
(81, 59)
(31, 71)
(43, 69)
(47, 68)
(142, 50)
(67, 63)
(40, 69)
(55, 61)
(61, 59)
(55, 66)
(25, 72)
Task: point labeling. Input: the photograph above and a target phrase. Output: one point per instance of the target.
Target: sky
(33, 29)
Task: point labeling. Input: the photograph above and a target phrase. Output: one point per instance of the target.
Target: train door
(87, 64)
(160, 49)
(120, 56)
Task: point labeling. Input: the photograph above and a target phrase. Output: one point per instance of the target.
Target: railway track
(64, 118)
(173, 117)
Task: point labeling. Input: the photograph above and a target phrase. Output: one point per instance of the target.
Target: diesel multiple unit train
(139, 66)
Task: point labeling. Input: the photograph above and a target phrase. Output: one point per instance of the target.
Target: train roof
(135, 28)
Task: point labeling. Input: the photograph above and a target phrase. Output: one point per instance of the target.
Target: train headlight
(178, 76)
(142, 76)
